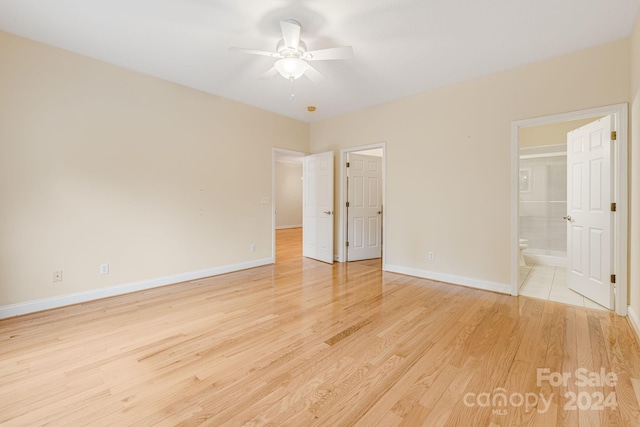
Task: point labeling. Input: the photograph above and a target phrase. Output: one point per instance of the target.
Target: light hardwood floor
(302, 343)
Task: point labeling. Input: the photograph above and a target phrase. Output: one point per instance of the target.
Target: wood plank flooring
(302, 343)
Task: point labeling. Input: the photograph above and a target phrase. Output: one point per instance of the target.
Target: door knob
(568, 218)
(328, 212)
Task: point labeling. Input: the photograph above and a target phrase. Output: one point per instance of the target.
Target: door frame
(620, 192)
(274, 155)
(342, 211)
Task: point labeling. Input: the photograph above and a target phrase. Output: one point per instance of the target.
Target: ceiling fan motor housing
(288, 52)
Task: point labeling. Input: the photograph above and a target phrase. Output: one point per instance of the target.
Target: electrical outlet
(57, 276)
(104, 268)
(432, 256)
(252, 248)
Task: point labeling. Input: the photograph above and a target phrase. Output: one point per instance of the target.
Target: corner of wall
(634, 177)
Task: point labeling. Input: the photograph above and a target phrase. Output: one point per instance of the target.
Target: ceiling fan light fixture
(291, 68)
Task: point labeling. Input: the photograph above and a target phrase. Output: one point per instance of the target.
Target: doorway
(544, 249)
(361, 230)
(521, 173)
(315, 199)
(286, 194)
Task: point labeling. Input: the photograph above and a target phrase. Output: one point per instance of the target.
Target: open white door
(364, 211)
(589, 217)
(317, 207)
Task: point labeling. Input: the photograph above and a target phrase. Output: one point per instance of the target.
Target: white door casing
(589, 217)
(364, 214)
(317, 207)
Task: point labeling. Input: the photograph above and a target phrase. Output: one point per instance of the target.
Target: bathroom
(543, 204)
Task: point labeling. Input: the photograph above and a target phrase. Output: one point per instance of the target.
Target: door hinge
(347, 164)
(613, 207)
(614, 135)
(613, 278)
(347, 244)
(347, 204)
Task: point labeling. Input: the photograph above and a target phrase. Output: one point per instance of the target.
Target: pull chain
(292, 95)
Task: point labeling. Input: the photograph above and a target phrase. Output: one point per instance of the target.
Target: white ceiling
(401, 47)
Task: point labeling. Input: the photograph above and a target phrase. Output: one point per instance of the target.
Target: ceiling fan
(292, 55)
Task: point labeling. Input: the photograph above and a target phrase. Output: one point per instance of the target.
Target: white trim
(342, 215)
(620, 112)
(274, 155)
(543, 156)
(554, 261)
(80, 297)
(449, 278)
(282, 227)
(634, 319)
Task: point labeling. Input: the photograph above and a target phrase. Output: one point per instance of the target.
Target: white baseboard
(449, 278)
(634, 319)
(282, 227)
(80, 297)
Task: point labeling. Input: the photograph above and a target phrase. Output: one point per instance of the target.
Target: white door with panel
(364, 211)
(589, 217)
(317, 207)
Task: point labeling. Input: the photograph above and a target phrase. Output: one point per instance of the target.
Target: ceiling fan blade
(343, 52)
(269, 74)
(255, 52)
(314, 75)
(290, 33)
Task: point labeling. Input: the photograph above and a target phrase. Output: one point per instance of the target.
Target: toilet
(524, 244)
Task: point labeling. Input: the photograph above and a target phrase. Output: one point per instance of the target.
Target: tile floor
(550, 283)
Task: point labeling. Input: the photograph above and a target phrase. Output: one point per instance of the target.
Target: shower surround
(543, 203)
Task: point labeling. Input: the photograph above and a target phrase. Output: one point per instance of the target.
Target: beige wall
(99, 164)
(634, 253)
(449, 156)
(103, 165)
(552, 134)
(288, 194)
